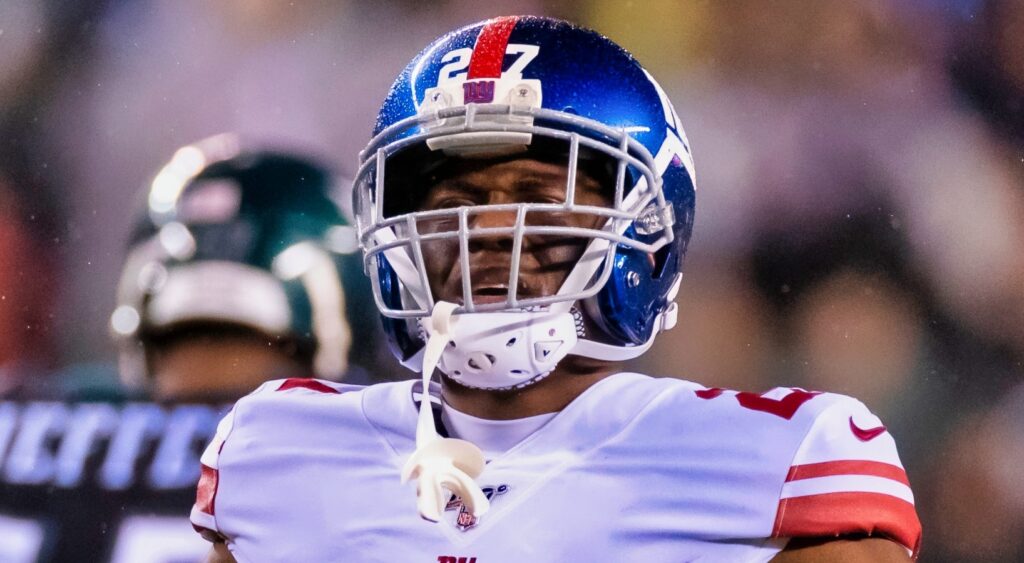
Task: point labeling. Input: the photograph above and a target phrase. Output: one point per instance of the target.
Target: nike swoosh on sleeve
(865, 434)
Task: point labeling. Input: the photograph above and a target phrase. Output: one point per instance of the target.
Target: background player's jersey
(98, 482)
(635, 469)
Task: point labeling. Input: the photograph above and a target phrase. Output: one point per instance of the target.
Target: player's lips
(490, 286)
(493, 294)
(483, 294)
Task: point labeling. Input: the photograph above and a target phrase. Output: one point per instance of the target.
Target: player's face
(545, 260)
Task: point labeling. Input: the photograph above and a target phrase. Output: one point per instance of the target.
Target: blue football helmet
(545, 89)
(239, 237)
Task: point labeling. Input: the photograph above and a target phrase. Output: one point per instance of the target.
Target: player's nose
(502, 220)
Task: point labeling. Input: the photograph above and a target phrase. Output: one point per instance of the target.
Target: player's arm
(865, 550)
(203, 517)
(846, 496)
(219, 554)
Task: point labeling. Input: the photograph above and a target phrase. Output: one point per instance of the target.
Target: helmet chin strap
(448, 463)
(611, 353)
(442, 463)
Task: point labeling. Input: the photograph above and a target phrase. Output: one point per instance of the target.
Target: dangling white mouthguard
(442, 463)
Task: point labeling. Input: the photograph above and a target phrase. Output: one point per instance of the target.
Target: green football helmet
(242, 238)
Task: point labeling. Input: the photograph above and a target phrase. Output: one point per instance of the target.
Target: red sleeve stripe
(206, 491)
(839, 514)
(303, 383)
(489, 51)
(848, 467)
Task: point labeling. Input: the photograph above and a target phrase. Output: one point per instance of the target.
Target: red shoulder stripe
(839, 514)
(848, 467)
(206, 491)
(710, 393)
(311, 384)
(489, 51)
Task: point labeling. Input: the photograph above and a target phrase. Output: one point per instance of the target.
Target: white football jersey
(635, 469)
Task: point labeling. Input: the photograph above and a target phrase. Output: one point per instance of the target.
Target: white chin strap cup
(506, 349)
(446, 463)
(442, 463)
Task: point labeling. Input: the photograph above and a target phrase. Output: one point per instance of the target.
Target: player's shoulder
(830, 463)
(677, 414)
(846, 478)
(309, 403)
(820, 426)
(284, 396)
(298, 389)
(782, 410)
(791, 424)
(282, 421)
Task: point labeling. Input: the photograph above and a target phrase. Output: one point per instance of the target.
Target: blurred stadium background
(860, 223)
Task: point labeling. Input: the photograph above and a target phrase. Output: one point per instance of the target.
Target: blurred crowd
(860, 211)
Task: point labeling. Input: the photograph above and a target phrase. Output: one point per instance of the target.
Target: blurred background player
(239, 270)
(238, 273)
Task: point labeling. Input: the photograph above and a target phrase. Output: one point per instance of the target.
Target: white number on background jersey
(140, 539)
(20, 540)
(158, 539)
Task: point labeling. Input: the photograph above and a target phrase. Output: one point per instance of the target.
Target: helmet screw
(632, 279)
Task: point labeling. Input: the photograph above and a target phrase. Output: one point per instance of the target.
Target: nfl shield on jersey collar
(635, 469)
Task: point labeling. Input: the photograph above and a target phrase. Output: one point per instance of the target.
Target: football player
(238, 273)
(524, 208)
(240, 270)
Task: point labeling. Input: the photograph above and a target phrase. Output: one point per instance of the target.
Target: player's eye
(546, 195)
(453, 202)
(553, 199)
